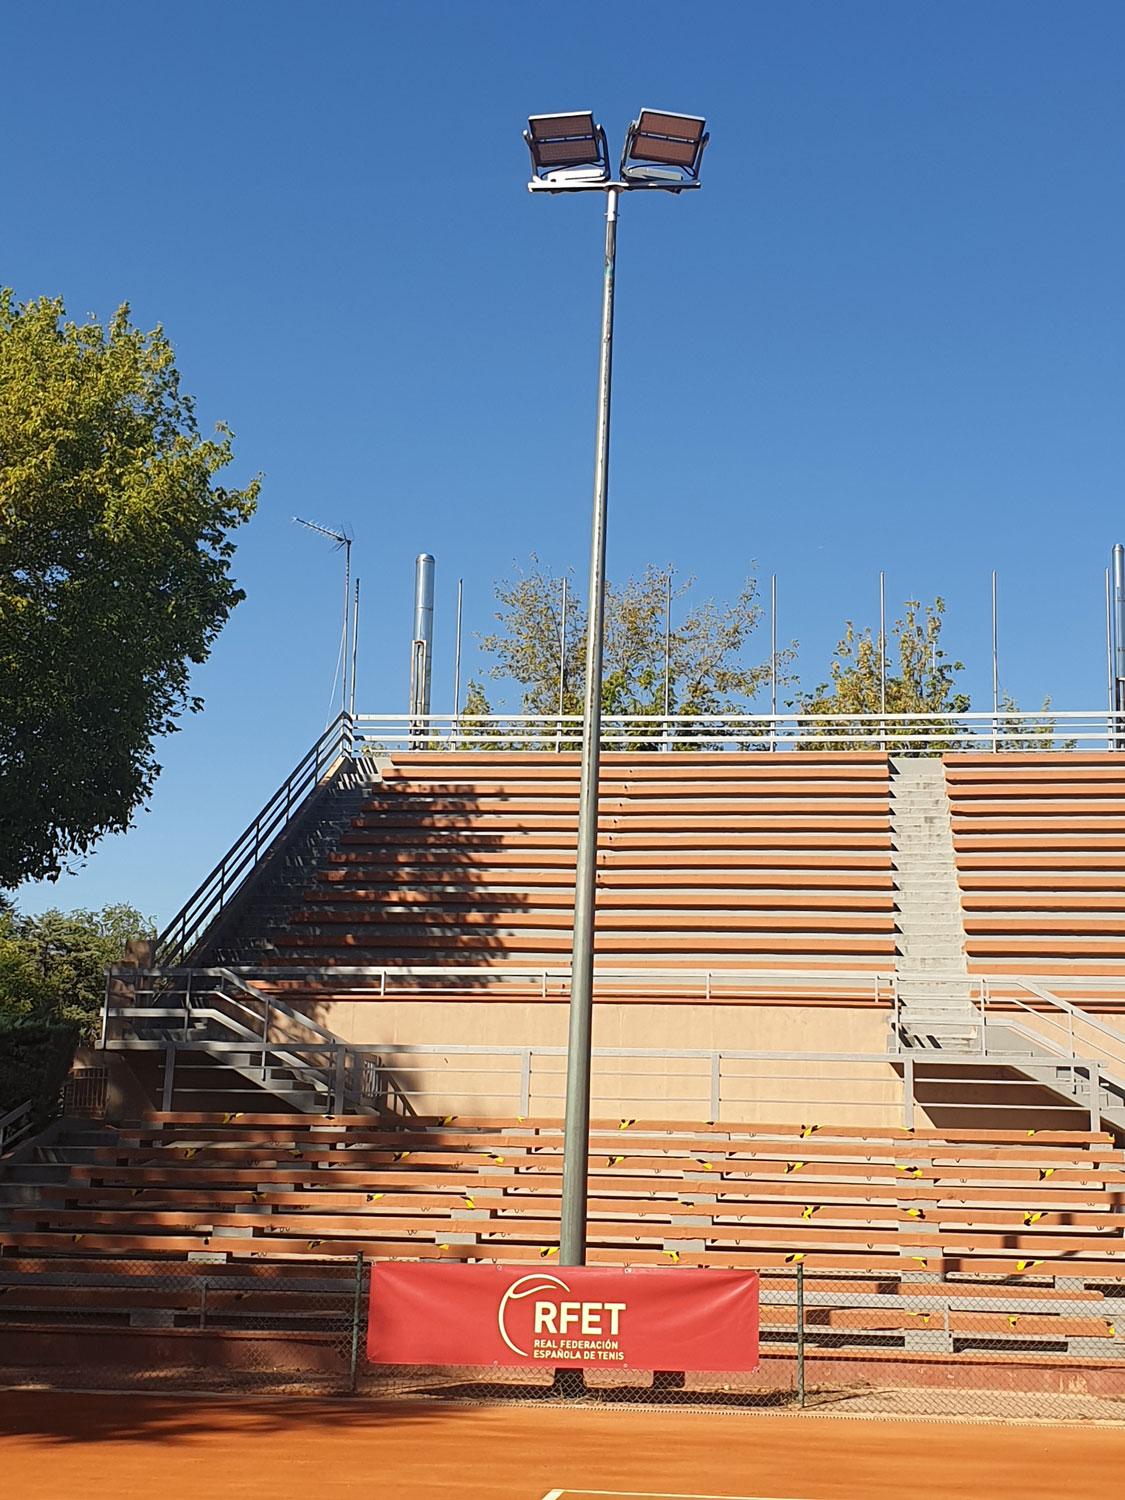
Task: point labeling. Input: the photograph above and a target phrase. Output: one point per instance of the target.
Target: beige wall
(662, 1087)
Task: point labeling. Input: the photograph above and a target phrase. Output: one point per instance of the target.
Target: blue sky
(889, 332)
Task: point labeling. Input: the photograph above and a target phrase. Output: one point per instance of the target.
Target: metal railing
(217, 888)
(903, 734)
(1020, 1019)
(15, 1125)
(276, 1045)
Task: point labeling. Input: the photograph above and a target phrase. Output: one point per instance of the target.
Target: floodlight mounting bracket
(536, 185)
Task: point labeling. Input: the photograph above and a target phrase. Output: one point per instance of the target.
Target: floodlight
(664, 149)
(567, 149)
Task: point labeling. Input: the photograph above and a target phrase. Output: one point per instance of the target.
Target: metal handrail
(549, 980)
(15, 1125)
(905, 733)
(216, 889)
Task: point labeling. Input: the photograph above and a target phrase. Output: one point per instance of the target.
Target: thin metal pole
(1112, 738)
(353, 1373)
(562, 669)
(347, 615)
(882, 643)
(1118, 632)
(773, 661)
(576, 1128)
(882, 660)
(355, 648)
(668, 644)
(800, 1333)
(666, 735)
(562, 652)
(995, 668)
(457, 653)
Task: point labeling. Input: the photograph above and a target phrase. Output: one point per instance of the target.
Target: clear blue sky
(889, 332)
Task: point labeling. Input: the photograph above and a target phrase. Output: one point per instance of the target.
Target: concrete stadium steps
(1040, 848)
(753, 859)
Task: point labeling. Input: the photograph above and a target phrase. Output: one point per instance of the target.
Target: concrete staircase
(936, 1009)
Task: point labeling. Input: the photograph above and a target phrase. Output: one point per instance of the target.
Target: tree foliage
(115, 546)
(707, 672)
(52, 967)
(922, 683)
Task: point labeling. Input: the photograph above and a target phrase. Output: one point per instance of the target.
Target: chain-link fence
(211, 1324)
(912, 1345)
(915, 1344)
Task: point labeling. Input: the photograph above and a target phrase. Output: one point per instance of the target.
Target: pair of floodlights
(569, 153)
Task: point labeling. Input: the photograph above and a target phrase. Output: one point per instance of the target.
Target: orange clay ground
(105, 1447)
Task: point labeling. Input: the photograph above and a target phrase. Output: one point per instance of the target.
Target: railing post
(265, 1036)
(353, 1378)
(716, 1086)
(339, 1102)
(984, 1017)
(525, 1083)
(800, 1334)
(1094, 1074)
(187, 1004)
(105, 1011)
(169, 1076)
(908, 1092)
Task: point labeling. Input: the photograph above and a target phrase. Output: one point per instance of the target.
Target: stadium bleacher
(740, 862)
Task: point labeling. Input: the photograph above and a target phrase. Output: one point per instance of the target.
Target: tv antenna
(341, 542)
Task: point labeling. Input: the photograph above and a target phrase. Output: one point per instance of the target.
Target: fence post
(353, 1377)
(908, 1092)
(800, 1333)
(203, 1304)
(716, 1086)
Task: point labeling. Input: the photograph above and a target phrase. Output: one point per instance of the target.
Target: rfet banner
(645, 1319)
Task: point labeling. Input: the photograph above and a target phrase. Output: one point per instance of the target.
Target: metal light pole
(576, 1128)
(569, 153)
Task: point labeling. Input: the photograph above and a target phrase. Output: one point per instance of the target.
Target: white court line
(653, 1495)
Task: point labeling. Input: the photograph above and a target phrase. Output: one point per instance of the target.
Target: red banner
(637, 1318)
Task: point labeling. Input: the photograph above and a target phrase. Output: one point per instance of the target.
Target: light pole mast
(569, 153)
(576, 1130)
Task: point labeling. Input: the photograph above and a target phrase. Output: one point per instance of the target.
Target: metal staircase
(216, 1016)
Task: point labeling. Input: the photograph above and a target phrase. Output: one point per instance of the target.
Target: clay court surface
(108, 1447)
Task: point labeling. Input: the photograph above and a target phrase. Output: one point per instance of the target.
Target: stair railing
(347, 1075)
(15, 1125)
(214, 892)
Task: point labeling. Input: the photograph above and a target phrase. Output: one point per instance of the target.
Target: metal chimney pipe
(422, 641)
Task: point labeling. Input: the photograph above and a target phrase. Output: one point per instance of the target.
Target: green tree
(52, 967)
(922, 684)
(707, 672)
(115, 546)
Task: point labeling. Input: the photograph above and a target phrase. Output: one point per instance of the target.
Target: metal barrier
(15, 1125)
(205, 1323)
(271, 1044)
(208, 901)
(1012, 1023)
(900, 734)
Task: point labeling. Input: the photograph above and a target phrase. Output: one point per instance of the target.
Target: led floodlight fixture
(664, 148)
(569, 148)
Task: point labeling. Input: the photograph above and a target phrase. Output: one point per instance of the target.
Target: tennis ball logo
(540, 1284)
(553, 1316)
